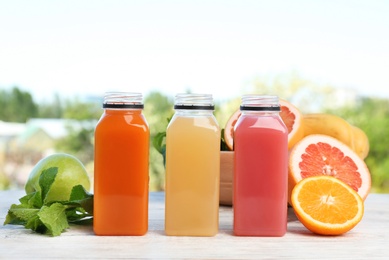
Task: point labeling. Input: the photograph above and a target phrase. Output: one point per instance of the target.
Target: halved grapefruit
(289, 114)
(292, 118)
(229, 129)
(324, 155)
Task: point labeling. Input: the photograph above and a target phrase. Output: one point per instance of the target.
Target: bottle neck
(193, 112)
(194, 104)
(123, 101)
(260, 104)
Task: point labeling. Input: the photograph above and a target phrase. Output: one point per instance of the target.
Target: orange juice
(192, 168)
(121, 167)
(261, 169)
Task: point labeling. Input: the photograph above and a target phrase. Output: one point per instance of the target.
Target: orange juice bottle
(192, 168)
(121, 167)
(261, 168)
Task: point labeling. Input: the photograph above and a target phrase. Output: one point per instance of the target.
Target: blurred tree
(81, 110)
(17, 105)
(79, 140)
(372, 116)
(51, 109)
(158, 110)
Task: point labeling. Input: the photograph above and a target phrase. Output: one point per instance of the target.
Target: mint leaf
(46, 179)
(54, 218)
(51, 217)
(20, 214)
(78, 215)
(79, 193)
(223, 145)
(160, 144)
(35, 224)
(33, 199)
(25, 199)
(79, 197)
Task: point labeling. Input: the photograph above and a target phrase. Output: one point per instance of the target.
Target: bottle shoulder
(177, 123)
(122, 118)
(270, 121)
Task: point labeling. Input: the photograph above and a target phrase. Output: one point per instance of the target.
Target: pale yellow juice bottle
(192, 168)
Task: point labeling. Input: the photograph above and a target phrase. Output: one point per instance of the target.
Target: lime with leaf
(71, 172)
(56, 195)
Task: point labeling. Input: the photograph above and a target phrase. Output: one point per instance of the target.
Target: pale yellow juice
(192, 176)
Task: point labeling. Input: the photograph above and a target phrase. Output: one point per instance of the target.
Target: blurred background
(57, 58)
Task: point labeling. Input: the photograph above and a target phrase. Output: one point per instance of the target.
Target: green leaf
(51, 218)
(33, 199)
(46, 179)
(20, 214)
(79, 197)
(25, 199)
(77, 215)
(79, 193)
(35, 224)
(223, 145)
(54, 218)
(158, 141)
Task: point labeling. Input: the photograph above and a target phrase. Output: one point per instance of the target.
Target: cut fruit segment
(229, 130)
(293, 121)
(324, 155)
(289, 114)
(326, 205)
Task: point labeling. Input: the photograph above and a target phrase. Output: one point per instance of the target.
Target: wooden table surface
(368, 240)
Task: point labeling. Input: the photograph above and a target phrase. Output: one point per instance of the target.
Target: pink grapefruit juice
(260, 179)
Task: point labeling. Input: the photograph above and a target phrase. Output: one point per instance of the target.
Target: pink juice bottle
(261, 168)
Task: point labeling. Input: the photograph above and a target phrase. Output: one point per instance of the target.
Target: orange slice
(324, 155)
(326, 205)
(289, 114)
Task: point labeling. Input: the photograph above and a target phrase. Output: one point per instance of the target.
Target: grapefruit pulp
(324, 155)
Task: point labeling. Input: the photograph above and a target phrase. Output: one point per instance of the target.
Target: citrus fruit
(328, 124)
(229, 129)
(339, 128)
(327, 206)
(71, 172)
(360, 142)
(289, 114)
(325, 155)
(293, 120)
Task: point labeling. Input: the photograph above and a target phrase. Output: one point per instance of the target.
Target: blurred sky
(88, 47)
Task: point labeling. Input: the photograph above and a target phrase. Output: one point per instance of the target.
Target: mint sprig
(51, 218)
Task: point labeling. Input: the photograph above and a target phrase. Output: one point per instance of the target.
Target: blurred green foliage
(372, 116)
(17, 105)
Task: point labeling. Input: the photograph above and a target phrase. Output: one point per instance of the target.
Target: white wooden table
(368, 240)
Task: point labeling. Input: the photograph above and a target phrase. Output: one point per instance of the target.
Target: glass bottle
(121, 170)
(261, 168)
(192, 168)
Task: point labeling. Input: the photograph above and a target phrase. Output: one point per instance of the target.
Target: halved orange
(289, 114)
(326, 205)
(324, 155)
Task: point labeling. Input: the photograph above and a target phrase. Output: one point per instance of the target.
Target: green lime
(71, 172)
